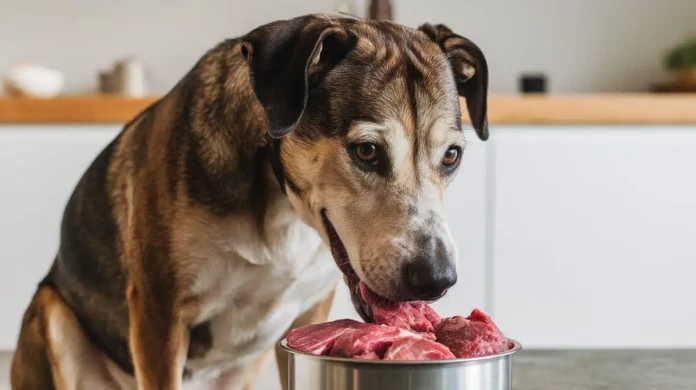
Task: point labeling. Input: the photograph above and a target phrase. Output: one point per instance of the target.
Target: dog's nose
(431, 273)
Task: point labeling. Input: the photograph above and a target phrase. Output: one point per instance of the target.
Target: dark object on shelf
(674, 88)
(381, 10)
(533, 83)
(126, 77)
(107, 82)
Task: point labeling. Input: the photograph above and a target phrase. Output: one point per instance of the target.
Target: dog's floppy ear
(470, 72)
(284, 57)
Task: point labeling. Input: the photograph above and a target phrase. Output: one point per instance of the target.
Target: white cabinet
(39, 166)
(595, 236)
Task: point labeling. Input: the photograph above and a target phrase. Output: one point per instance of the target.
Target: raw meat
(320, 338)
(418, 317)
(428, 312)
(373, 339)
(417, 348)
(403, 331)
(473, 336)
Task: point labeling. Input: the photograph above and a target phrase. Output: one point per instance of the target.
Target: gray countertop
(578, 370)
(604, 370)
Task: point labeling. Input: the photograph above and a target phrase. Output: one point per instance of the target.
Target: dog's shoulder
(201, 146)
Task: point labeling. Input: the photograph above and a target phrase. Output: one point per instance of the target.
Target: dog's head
(369, 121)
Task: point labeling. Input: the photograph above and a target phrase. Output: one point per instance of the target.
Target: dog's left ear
(285, 58)
(470, 72)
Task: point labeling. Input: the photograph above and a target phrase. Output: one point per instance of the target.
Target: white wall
(588, 45)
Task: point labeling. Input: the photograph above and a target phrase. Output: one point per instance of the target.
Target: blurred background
(582, 46)
(575, 222)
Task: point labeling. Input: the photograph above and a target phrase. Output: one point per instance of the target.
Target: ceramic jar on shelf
(126, 78)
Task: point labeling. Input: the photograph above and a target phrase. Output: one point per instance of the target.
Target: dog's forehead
(395, 73)
(388, 43)
(392, 74)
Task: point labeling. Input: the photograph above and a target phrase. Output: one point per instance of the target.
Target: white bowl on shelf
(34, 81)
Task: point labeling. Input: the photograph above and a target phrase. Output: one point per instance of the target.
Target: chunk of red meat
(320, 338)
(367, 341)
(367, 356)
(473, 336)
(416, 317)
(417, 348)
(428, 312)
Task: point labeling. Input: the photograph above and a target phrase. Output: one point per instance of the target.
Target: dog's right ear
(285, 58)
(470, 72)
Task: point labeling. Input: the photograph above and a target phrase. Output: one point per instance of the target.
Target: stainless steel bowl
(310, 372)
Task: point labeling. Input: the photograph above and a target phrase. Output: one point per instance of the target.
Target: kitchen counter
(605, 370)
(577, 370)
(513, 109)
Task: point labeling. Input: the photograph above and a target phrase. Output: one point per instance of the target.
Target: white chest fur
(252, 288)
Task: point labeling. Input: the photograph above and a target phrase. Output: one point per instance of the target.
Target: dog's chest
(251, 290)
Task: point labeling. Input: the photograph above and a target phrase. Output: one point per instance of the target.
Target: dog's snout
(431, 272)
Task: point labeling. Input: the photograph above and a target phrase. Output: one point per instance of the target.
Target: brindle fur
(258, 118)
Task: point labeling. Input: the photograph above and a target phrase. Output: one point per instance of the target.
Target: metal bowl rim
(517, 346)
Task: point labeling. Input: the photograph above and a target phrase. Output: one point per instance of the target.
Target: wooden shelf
(645, 108)
(72, 109)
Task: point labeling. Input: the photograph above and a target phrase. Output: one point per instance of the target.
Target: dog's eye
(366, 152)
(451, 156)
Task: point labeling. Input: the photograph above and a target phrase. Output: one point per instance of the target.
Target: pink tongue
(367, 295)
(416, 316)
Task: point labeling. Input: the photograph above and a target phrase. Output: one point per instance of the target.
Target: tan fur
(64, 353)
(317, 314)
(254, 370)
(158, 359)
(30, 365)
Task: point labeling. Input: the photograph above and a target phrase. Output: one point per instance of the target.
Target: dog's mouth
(360, 294)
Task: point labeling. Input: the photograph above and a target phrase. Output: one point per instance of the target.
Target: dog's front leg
(316, 314)
(159, 340)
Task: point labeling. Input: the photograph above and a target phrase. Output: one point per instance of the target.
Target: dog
(206, 228)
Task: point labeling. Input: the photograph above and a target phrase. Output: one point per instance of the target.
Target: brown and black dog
(205, 229)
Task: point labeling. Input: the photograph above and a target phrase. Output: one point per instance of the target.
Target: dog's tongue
(359, 304)
(369, 296)
(415, 316)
